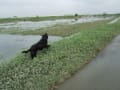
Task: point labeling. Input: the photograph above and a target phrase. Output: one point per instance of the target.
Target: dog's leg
(47, 46)
(33, 54)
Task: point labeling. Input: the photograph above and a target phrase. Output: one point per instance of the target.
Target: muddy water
(28, 25)
(103, 73)
(10, 45)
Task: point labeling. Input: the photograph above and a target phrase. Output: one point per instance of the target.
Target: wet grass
(59, 62)
(59, 30)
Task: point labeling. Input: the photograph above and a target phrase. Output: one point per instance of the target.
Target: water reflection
(13, 44)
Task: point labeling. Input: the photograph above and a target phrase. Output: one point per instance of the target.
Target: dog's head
(45, 36)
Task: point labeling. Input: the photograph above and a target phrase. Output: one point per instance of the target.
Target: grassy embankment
(43, 18)
(59, 62)
(37, 18)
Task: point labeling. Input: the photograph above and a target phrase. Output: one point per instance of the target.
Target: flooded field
(29, 25)
(10, 45)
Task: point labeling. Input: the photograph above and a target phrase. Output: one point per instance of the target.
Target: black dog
(43, 43)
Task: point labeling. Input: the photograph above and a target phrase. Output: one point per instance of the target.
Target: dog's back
(43, 43)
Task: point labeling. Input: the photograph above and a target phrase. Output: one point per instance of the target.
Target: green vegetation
(40, 18)
(59, 30)
(59, 62)
(66, 30)
(37, 18)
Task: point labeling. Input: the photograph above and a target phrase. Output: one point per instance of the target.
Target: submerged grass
(60, 30)
(59, 62)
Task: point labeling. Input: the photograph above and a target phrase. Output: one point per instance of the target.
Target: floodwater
(103, 73)
(29, 25)
(10, 45)
(115, 20)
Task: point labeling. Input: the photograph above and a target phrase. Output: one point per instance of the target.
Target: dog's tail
(25, 51)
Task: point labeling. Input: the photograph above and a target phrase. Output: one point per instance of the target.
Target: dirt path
(103, 73)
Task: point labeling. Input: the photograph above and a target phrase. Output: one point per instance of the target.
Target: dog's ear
(45, 36)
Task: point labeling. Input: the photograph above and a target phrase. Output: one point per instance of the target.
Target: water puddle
(10, 45)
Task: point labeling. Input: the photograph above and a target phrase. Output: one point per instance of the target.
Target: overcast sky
(9, 8)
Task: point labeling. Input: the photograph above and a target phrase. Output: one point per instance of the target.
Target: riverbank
(37, 18)
(59, 62)
(44, 18)
(102, 73)
(11, 45)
